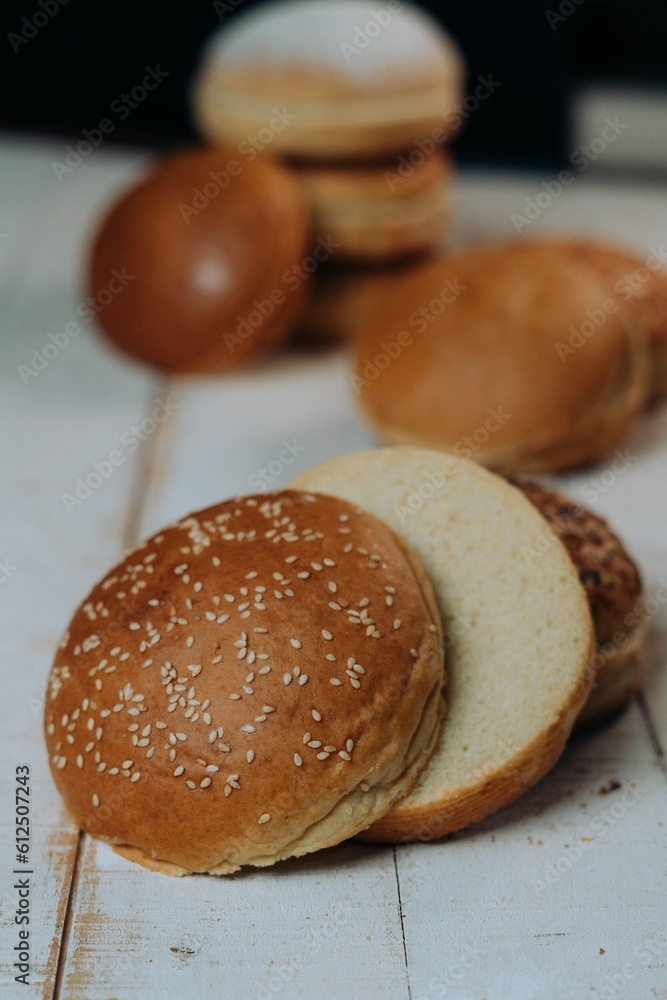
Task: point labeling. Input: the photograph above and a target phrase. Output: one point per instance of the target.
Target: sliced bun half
(518, 630)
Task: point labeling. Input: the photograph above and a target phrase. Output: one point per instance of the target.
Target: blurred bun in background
(211, 246)
(375, 214)
(350, 78)
(510, 354)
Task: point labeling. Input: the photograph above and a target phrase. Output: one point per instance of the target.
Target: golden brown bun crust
(204, 237)
(481, 333)
(375, 214)
(632, 281)
(613, 586)
(190, 675)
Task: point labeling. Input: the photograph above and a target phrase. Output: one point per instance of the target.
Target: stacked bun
(359, 97)
(529, 357)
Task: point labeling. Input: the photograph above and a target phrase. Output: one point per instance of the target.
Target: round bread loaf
(517, 630)
(374, 214)
(639, 282)
(614, 590)
(506, 356)
(332, 79)
(240, 689)
(209, 243)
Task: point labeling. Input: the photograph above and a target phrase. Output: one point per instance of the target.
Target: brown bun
(640, 283)
(206, 239)
(339, 299)
(471, 354)
(614, 590)
(182, 694)
(374, 214)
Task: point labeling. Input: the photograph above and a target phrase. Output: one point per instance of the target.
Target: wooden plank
(475, 920)
(238, 936)
(561, 894)
(55, 424)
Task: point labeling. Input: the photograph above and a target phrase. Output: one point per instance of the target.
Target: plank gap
(400, 914)
(143, 470)
(68, 918)
(652, 732)
(141, 477)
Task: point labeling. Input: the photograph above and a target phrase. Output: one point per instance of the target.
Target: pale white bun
(518, 631)
(349, 77)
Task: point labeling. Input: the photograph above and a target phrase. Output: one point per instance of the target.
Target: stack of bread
(394, 648)
(359, 96)
(529, 356)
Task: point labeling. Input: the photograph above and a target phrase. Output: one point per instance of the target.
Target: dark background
(65, 78)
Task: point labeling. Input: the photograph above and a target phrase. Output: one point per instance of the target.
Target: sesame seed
(364, 787)
(314, 744)
(303, 679)
(414, 653)
(335, 682)
(264, 818)
(287, 678)
(248, 729)
(295, 643)
(298, 759)
(326, 635)
(205, 782)
(316, 715)
(96, 800)
(349, 746)
(344, 755)
(322, 756)
(178, 770)
(250, 756)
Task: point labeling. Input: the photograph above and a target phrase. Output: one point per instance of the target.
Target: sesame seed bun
(259, 680)
(613, 588)
(446, 347)
(517, 630)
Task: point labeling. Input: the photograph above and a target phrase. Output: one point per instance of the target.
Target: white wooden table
(562, 895)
